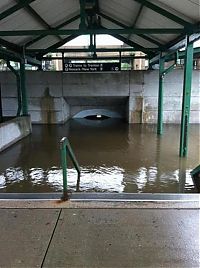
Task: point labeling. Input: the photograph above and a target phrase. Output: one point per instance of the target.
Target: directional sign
(91, 67)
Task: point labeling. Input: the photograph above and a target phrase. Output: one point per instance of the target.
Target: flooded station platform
(114, 157)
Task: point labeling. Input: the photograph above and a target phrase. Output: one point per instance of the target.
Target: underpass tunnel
(98, 108)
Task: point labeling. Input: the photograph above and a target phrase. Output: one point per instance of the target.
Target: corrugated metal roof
(4, 5)
(142, 42)
(124, 11)
(54, 12)
(20, 20)
(151, 19)
(185, 9)
(128, 12)
(45, 42)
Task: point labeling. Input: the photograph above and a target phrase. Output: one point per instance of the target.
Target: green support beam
(165, 13)
(160, 96)
(188, 68)
(13, 9)
(162, 73)
(80, 50)
(116, 58)
(19, 95)
(137, 31)
(23, 89)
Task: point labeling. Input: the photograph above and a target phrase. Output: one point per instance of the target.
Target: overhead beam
(79, 50)
(164, 13)
(137, 31)
(13, 9)
(98, 58)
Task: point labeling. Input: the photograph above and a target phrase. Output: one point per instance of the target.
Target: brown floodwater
(114, 157)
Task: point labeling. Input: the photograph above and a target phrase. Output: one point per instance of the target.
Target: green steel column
(188, 68)
(160, 96)
(91, 47)
(19, 96)
(23, 88)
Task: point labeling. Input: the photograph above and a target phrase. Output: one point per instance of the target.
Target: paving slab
(125, 238)
(25, 235)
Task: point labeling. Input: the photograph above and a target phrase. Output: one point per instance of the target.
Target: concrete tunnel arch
(93, 112)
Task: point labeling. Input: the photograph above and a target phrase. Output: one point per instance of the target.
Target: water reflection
(114, 157)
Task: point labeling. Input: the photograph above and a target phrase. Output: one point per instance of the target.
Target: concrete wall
(13, 131)
(54, 97)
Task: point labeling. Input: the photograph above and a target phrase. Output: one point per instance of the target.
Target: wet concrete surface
(25, 235)
(114, 157)
(99, 238)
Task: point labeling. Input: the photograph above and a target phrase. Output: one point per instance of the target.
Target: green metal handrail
(65, 148)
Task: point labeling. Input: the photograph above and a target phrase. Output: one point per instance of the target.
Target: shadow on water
(114, 157)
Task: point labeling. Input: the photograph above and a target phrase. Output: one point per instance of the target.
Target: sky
(84, 40)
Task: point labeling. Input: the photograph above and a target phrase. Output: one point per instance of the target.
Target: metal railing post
(64, 167)
(65, 149)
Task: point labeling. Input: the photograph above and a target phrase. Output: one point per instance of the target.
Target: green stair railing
(65, 149)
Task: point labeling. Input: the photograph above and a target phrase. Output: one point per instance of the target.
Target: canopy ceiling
(142, 24)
